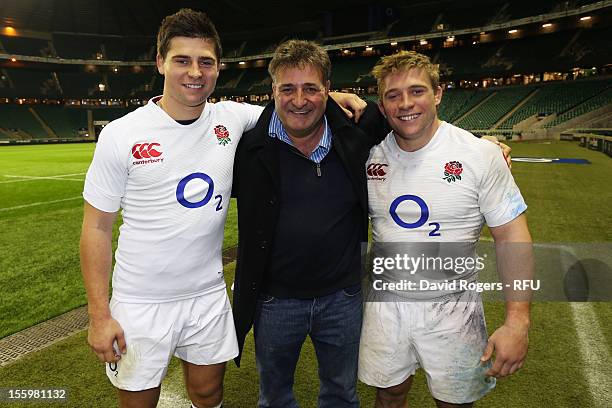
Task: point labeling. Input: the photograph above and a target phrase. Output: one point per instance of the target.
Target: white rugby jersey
(173, 184)
(443, 192)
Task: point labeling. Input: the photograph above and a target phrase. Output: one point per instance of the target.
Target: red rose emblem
(222, 134)
(452, 171)
(455, 168)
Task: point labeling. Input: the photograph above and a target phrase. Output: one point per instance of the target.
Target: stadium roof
(142, 17)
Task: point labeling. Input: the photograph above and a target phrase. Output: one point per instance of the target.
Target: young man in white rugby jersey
(431, 182)
(168, 166)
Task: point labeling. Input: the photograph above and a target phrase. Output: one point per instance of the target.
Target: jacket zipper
(318, 165)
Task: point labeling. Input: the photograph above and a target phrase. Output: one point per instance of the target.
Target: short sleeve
(107, 175)
(252, 113)
(499, 197)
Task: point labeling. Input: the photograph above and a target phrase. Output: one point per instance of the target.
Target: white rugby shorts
(198, 330)
(446, 338)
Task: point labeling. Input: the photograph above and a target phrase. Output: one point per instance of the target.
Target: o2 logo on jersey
(422, 219)
(180, 192)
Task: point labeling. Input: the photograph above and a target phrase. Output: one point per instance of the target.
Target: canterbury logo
(145, 150)
(376, 169)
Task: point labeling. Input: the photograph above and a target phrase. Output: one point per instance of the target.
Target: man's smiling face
(410, 103)
(300, 97)
(191, 69)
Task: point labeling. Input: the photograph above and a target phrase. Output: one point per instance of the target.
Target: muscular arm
(515, 261)
(96, 261)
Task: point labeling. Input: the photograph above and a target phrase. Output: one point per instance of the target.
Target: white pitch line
(39, 178)
(30, 178)
(594, 353)
(56, 176)
(39, 203)
(592, 346)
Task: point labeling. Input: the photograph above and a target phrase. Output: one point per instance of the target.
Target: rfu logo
(376, 171)
(145, 153)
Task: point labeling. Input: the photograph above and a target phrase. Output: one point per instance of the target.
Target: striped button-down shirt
(277, 130)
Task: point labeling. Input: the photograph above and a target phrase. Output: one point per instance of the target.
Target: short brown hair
(187, 23)
(403, 61)
(300, 53)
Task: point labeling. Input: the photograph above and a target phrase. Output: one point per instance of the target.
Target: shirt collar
(277, 130)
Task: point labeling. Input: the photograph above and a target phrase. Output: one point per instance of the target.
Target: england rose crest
(452, 171)
(222, 135)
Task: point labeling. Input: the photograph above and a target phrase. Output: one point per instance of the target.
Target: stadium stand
(74, 46)
(257, 81)
(28, 46)
(590, 48)
(254, 47)
(493, 109)
(525, 8)
(65, 122)
(232, 49)
(465, 62)
(228, 81)
(30, 83)
(457, 19)
(457, 102)
(412, 24)
(556, 98)
(345, 39)
(352, 72)
(498, 58)
(108, 114)
(79, 85)
(537, 53)
(139, 49)
(128, 84)
(20, 120)
(598, 101)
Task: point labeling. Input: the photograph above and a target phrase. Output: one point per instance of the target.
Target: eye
(311, 90)
(418, 91)
(207, 63)
(286, 91)
(392, 96)
(181, 61)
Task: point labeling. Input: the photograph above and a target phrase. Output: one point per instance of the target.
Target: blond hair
(404, 61)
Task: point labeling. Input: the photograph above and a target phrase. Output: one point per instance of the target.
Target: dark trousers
(333, 322)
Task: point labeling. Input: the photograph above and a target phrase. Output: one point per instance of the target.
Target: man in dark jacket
(302, 216)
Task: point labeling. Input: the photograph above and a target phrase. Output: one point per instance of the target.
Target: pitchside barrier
(594, 139)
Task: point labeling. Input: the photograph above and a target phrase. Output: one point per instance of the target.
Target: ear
(438, 95)
(159, 61)
(327, 86)
(381, 108)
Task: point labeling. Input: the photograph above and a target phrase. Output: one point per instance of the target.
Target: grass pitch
(40, 218)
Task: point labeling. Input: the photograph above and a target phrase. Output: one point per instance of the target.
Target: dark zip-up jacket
(256, 187)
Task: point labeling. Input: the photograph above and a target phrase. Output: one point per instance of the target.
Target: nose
(299, 98)
(194, 70)
(406, 101)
